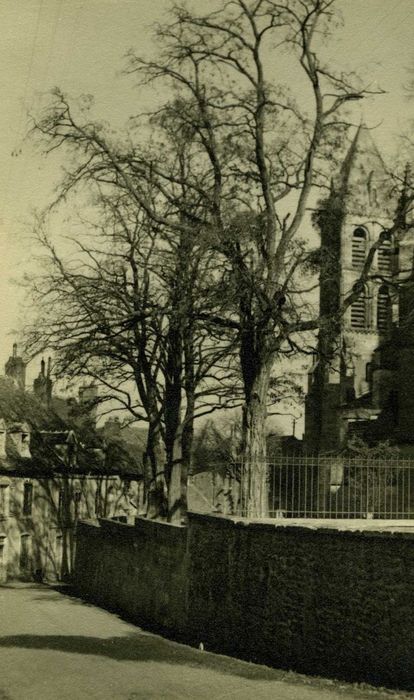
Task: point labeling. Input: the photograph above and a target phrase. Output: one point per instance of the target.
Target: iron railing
(340, 487)
(323, 487)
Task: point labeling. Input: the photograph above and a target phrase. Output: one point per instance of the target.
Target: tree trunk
(65, 523)
(172, 413)
(175, 505)
(154, 459)
(173, 399)
(180, 461)
(254, 499)
(179, 370)
(188, 425)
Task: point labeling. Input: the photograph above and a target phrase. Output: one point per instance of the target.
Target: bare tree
(251, 152)
(263, 152)
(119, 306)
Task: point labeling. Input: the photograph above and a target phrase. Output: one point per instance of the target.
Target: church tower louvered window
(384, 258)
(359, 242)
(359, 312)
(383, 309)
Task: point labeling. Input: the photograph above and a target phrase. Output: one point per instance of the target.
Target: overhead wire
(19, 137)
(31, 93)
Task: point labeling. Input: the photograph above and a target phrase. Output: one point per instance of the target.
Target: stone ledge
(352, 527)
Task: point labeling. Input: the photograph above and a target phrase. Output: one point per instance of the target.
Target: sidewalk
(55, 647)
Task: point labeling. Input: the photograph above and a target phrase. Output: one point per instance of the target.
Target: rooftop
(62, 438)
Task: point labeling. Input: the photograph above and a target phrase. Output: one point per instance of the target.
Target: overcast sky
(79, 46)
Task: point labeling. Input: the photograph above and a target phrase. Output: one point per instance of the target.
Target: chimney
(42, 385)
(87, 399)
(15, 369)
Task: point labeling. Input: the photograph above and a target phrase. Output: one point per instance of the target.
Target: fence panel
(341, 487)
(331, 487)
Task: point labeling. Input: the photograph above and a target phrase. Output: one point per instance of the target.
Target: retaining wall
(136, 569)
(314, 599)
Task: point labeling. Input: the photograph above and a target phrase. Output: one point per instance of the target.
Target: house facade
(54, 470)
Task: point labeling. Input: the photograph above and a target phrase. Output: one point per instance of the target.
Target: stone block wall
(322, 601)
(319, 600)
(139, 570)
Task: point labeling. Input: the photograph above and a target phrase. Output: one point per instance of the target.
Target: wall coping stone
(91, 527)
(147, 522)
(89, 523)
(401, 529)
(142, 528)
(110, 524)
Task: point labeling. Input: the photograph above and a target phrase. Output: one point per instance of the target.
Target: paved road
(54, 647)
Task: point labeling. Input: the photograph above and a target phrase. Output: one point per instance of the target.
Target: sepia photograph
(207, 350)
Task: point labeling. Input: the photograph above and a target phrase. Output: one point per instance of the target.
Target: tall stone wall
(314, 599)
(138, 569)
(321, 601)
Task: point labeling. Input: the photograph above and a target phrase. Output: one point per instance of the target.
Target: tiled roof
(58, 444)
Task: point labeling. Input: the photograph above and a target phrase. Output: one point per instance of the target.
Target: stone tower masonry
(357, 210)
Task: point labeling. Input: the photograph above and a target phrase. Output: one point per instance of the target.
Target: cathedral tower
(357, 211)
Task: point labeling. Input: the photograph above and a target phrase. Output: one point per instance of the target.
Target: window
(2, 552)
(3, 558)
(359, 240)
(2, 438)
(25, 553)
(4, 501)
(383, 309)
(58, 554)
(27, 498)
(359, 312)
(384, 258)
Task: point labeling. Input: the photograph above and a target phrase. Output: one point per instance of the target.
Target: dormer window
(359, 245)
(20, 436)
